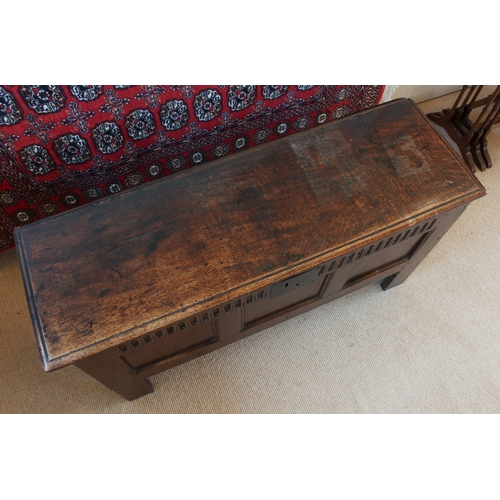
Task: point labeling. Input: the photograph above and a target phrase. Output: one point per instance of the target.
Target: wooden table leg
(470, 137)
(114, 373)
(492, 118)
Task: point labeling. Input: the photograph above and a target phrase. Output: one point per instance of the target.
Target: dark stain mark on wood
(117, 272)
(84, 332)
(156, 239)
(95, 217)
(52, 337)
(250, 196)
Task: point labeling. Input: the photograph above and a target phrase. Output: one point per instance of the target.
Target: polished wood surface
(103, 275)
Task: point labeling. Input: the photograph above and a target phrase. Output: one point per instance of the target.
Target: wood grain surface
(108, 271)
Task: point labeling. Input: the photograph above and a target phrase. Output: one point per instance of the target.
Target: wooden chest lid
(109, 271)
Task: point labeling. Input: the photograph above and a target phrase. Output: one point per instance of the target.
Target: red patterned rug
(65, 145)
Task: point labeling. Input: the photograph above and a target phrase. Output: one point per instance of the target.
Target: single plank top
(109, 271)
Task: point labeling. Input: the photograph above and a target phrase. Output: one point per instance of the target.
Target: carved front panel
(161, 344)
(382, 255)
(283, 295)
(177, 342)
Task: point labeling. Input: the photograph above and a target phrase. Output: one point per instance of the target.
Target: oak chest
(154, 276)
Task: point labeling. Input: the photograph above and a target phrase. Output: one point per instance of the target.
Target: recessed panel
(394, 254)
(273, 305)
(171, 345)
